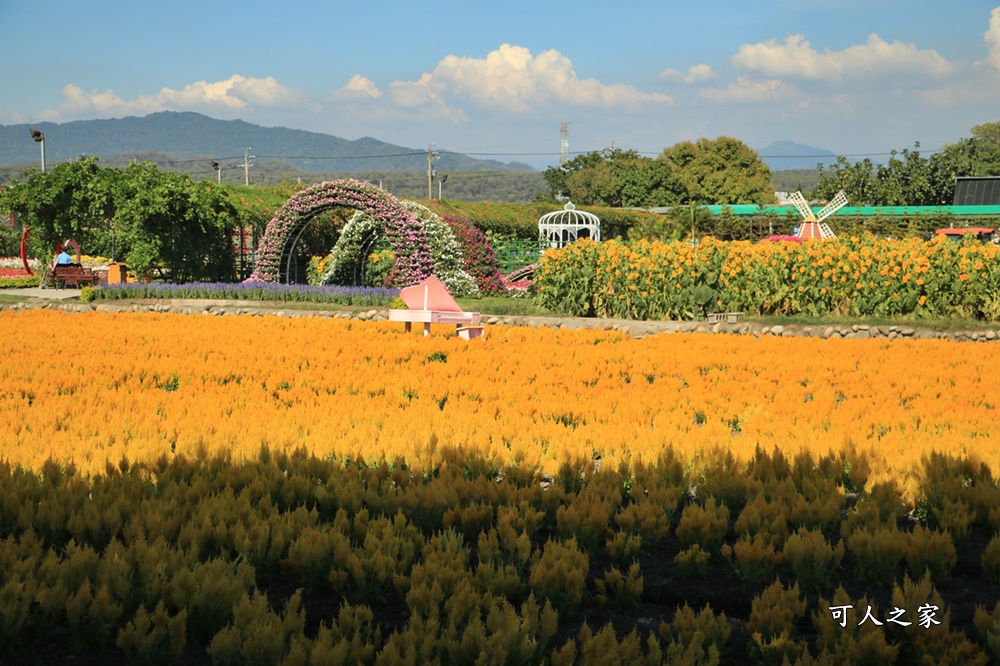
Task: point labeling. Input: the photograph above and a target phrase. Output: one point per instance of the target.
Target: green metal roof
(864, 211)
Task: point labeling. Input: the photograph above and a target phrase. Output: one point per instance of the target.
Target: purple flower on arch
(400, 227)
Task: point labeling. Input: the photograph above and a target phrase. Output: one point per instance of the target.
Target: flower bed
(626, 399)
(252, 291)
(851, 276)
(179, 482)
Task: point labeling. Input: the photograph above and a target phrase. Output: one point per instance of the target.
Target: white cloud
(265, 92)
(510, 77)
(694, 74)
(236, 92)
(876, 58)
(993, 39)
(748, 90)
(76, 100)
(357, 89)
(402, 100)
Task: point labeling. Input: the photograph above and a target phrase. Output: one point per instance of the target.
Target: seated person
(63, 258)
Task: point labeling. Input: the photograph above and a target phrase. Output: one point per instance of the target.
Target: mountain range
(193, 135)
(784, 155)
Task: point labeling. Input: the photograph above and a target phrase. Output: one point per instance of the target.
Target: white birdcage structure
(568, 225)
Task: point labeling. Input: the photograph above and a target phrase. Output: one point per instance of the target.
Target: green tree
(166, 219)
(71, 200)
(147, 217)
(648, 183)
(978, 155)
(908, 179)
(594, 186)
(858, 180)
(720, 171)
(556, 177)
(616, 178)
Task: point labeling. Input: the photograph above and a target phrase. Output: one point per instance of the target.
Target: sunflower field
(857, 276)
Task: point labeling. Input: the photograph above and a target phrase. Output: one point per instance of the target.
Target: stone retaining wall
(636, 329)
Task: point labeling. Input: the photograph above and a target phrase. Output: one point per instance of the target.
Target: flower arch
(357, 237)
(401, 227)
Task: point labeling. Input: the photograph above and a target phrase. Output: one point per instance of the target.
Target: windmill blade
(835, 204)
(803, 207)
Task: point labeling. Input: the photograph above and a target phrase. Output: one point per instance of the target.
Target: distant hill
(192, 135)
(785, 155)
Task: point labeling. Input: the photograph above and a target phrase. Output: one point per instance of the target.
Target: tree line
(909, 179)
(725, 171)
(138, 214)
(705, 172)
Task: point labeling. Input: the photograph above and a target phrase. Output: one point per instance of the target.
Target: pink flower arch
(402, 229)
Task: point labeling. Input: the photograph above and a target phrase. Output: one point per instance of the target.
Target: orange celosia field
(94, 387)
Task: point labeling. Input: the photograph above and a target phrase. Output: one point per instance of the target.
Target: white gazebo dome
(568, 225)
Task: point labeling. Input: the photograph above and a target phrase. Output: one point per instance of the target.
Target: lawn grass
(498, 305)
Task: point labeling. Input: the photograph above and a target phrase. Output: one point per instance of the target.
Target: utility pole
(563, 143)
(246, 165)
(431, 156)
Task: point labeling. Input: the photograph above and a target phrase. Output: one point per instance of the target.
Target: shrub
(19, 282)
(753, 558)
(991, 561)
(480, 260)
(774, 614)
(812, 558)
(693, 561)
(876, 554)
(559, 574)
(622, 590)
(705, 526)
(154, 638)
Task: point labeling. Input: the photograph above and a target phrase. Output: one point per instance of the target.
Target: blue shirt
(64, 258)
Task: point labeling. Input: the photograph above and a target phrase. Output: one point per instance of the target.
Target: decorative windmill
(813, 225)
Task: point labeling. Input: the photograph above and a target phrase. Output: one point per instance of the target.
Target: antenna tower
(563, 143)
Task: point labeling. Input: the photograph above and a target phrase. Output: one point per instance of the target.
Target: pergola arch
(402, 229)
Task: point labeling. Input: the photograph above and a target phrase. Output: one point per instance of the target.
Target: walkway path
(50, 294)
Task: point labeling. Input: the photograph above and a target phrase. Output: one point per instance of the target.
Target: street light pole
(40, 139)
(694, 235)
(431, 156)
(440, 183)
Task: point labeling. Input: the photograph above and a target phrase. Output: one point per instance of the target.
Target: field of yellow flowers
(858, 276)
(96, 387)
(165, 479)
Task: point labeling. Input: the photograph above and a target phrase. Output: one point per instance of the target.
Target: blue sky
(857, 77)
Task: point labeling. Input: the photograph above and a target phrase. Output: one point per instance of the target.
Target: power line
(246, 164)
